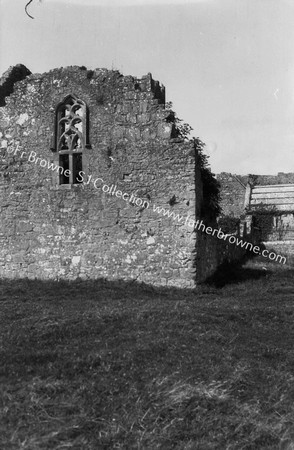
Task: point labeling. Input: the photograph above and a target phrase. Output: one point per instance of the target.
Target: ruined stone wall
(232, 190)
(215, 250)
(280, 178)
(9, 78)
(68, 231)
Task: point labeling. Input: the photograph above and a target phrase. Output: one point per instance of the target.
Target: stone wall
(9, 78)
(56, 231)
(232, 190)
(215, 250)
(280, 178)
(125, 218)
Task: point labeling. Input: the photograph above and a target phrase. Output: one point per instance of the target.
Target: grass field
(97, 365)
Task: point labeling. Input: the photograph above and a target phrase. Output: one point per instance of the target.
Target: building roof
(279, 197)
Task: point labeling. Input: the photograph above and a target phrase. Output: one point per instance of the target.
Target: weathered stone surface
(56, 231)
(9, 78)
(105, 227)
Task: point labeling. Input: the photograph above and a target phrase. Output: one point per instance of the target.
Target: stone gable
(84, 228)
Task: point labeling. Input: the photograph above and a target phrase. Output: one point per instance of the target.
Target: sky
(227, 65)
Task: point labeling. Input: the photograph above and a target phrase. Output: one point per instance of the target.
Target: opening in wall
(71, 138)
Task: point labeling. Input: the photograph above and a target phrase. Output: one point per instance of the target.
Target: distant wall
(280, 178)
(232, 190)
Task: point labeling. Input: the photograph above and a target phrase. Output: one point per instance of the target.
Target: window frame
(68, 104)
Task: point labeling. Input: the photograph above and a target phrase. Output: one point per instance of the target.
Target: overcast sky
(228, 65)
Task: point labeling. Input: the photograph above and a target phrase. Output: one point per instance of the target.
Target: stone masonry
(81, 227)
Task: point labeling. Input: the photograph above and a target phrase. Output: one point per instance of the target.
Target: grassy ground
(95, 365)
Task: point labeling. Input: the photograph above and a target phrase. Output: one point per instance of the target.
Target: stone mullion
(70, 166)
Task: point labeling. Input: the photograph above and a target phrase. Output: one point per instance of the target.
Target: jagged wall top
(20, 72)
(9, 78)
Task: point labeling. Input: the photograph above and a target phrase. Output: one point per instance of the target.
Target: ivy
(181, 129)
(211, 188)
(263, 218)
(229, 224)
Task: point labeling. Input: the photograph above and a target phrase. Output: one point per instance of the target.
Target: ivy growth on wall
(229, 224)
(211, 187)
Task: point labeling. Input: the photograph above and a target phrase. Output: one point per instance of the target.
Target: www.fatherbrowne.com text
(188, 221)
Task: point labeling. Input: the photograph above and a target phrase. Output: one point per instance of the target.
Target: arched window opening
(71, 138)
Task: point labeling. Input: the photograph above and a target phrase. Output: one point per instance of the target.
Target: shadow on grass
(113, 364)
(232, 273)
(99, 290)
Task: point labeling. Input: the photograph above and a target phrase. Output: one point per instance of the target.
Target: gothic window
(71, 138)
